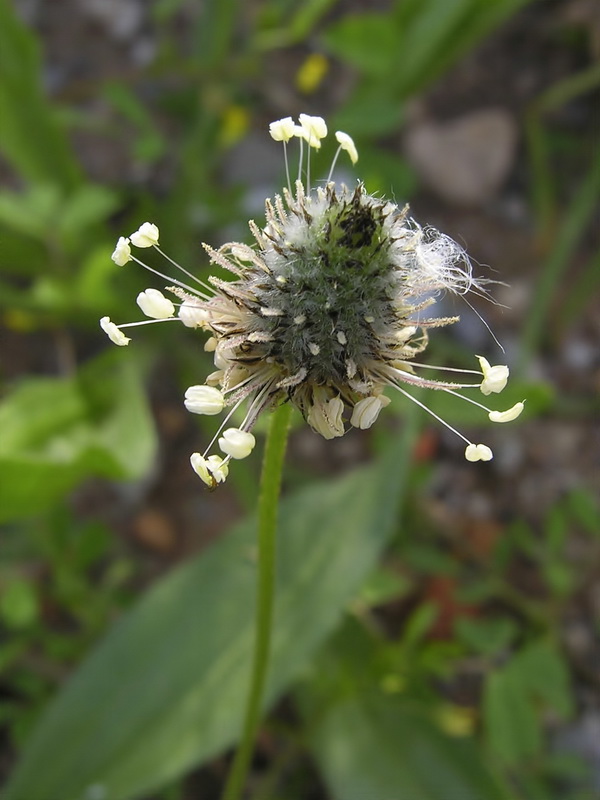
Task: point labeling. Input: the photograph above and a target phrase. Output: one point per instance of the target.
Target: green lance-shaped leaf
(30, 137)
(166, 688)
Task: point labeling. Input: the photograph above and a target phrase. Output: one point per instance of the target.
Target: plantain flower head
(329, 307)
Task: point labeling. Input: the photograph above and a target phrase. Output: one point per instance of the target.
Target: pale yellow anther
(282, 130)
(200, 467)
(122, 252)
(193, 316)
(237, 443)
(204, 399)
(313, 129)
(367, 410)
(145, 236)
(218, 468)
(325, 417)
(155, 305)
(113, 332)
(507, 416)
(494, 378)
(347, 143)
(211, 470)
(478, 452)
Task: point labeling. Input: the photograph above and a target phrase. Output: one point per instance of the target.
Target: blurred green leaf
(33, 212)
(94, 285)
(486, 636)
(585, 509)
(415, 43)
(83, 209)
(18, 603)
(372, 744)
(544, 672)
(30, 137)
(537, 673)
(47, 214)
(379, 747)
(172, 675)
(419, 624)
(351, 38)
(371, 112)
(56, 432)
(150, 144)
(512, 726)
(383, 586)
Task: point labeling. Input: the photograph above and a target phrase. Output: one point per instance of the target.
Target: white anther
(200, 467)
(367, 410)
(314, 348)
(114, 333)
(507, 416)
(341, 337)
(237, 443)
(204, 400)
(494, 378)
(155, 305)
(325, 416)
(347, 143)
(145, 236)
(218, 468)
(478, 452)
(193, 316)
(215, 378)
(282, 130)
(211, 470)
(122, 252)
(313, 129)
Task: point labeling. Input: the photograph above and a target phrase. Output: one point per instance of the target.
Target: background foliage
(437, 622)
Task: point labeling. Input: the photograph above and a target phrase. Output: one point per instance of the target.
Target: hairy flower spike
(330, 306)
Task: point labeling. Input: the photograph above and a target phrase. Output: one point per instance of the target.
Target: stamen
(333, 163)
(424, 407)
(148, 322)
(185, 271)
(444, 369)
(171, 280)
(222, 425)
(490, 331)
(423, 383)
(301, 158)
(287, 167)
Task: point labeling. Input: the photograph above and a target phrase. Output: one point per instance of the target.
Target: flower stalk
(270, 485)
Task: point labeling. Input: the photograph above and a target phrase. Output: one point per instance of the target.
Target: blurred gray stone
(467, 160)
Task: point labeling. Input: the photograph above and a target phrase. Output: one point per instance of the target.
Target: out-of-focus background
(449, 652)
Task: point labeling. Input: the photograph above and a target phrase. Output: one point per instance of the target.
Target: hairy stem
(270, 484)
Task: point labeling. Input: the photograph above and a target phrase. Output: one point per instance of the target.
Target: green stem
(270, 484)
